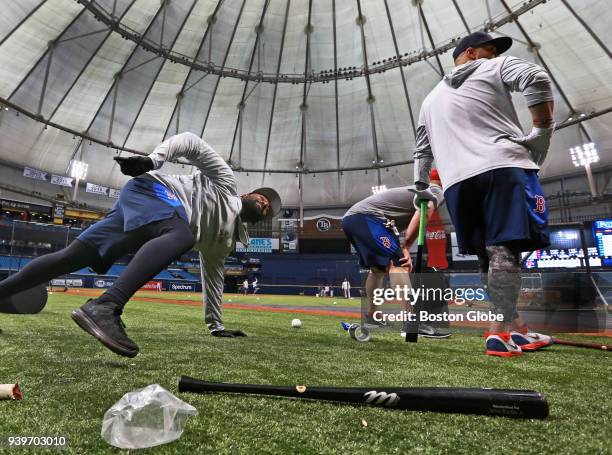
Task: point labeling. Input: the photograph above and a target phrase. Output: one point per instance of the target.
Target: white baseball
(296, 323)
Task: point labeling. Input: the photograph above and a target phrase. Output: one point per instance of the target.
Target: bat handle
(422, 222)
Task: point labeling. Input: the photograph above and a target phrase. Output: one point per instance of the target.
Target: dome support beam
(401, 68)
(588, 29)
(304, 106)
(165, 59)
(336, 91)
(184, 89)
(113, 88)
(371, 99)
(278, 66)
(227, 51)
(22, 21)
(242, 104)
(44, 54)
(465, 24)
(86, 136)
(543, 63)
(43, 90)
(209, 67)
(431, 41)
(91, 57)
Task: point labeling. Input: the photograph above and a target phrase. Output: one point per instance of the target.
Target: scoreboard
(566, 250)
(602, 234)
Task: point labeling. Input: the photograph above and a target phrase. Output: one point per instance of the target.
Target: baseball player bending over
(373, 225)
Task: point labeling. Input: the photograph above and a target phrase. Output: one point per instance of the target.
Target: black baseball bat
(526, 404)
(412, 327)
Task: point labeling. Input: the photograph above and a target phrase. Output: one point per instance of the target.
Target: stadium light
(378, 189)
(78, 171)
(585, 155)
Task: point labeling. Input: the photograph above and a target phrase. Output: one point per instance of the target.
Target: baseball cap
(502, 44)
(272, 196)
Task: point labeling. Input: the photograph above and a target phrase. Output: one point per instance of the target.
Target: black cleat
(226, 333)
(102, 320)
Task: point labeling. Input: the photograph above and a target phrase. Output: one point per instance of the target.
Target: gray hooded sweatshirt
(466, 120)
(212, 204)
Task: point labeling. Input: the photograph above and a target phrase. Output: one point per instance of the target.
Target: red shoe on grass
(501, 345)
(531, 341)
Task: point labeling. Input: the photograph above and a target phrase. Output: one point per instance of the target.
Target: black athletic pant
(156, 244)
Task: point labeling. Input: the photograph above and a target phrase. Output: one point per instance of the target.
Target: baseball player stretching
(158, 217)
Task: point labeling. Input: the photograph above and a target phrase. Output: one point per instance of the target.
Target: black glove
(134, 165)
(228, 333)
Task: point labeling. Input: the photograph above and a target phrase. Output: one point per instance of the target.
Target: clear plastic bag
(145, 418)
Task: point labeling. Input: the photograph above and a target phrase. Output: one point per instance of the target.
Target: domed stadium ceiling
(317, 98)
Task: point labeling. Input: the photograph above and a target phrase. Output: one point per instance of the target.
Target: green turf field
(262, 299)
(69, 380)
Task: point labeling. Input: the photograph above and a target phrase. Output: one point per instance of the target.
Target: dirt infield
(237, 306)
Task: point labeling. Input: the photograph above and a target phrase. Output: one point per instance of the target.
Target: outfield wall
(105, 282)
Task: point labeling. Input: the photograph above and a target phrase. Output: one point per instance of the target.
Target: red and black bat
(601, 347)
(526, 404)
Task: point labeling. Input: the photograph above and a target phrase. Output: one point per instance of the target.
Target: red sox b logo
(171, 195)
(386, 242)
(540, 204)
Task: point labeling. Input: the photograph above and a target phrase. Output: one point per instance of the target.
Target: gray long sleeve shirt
(210, 198)
(465, 121)
(394, 204)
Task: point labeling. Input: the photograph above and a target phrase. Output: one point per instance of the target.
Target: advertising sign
(103, 283)
(182, 287)
(61, 180)
(34, 173)
(96, 189)
(152, 286)
(258, 245)
(70, 282)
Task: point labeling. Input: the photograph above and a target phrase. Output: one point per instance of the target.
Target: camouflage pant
(500, 273)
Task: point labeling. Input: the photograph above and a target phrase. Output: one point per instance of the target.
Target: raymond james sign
(258, 245)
